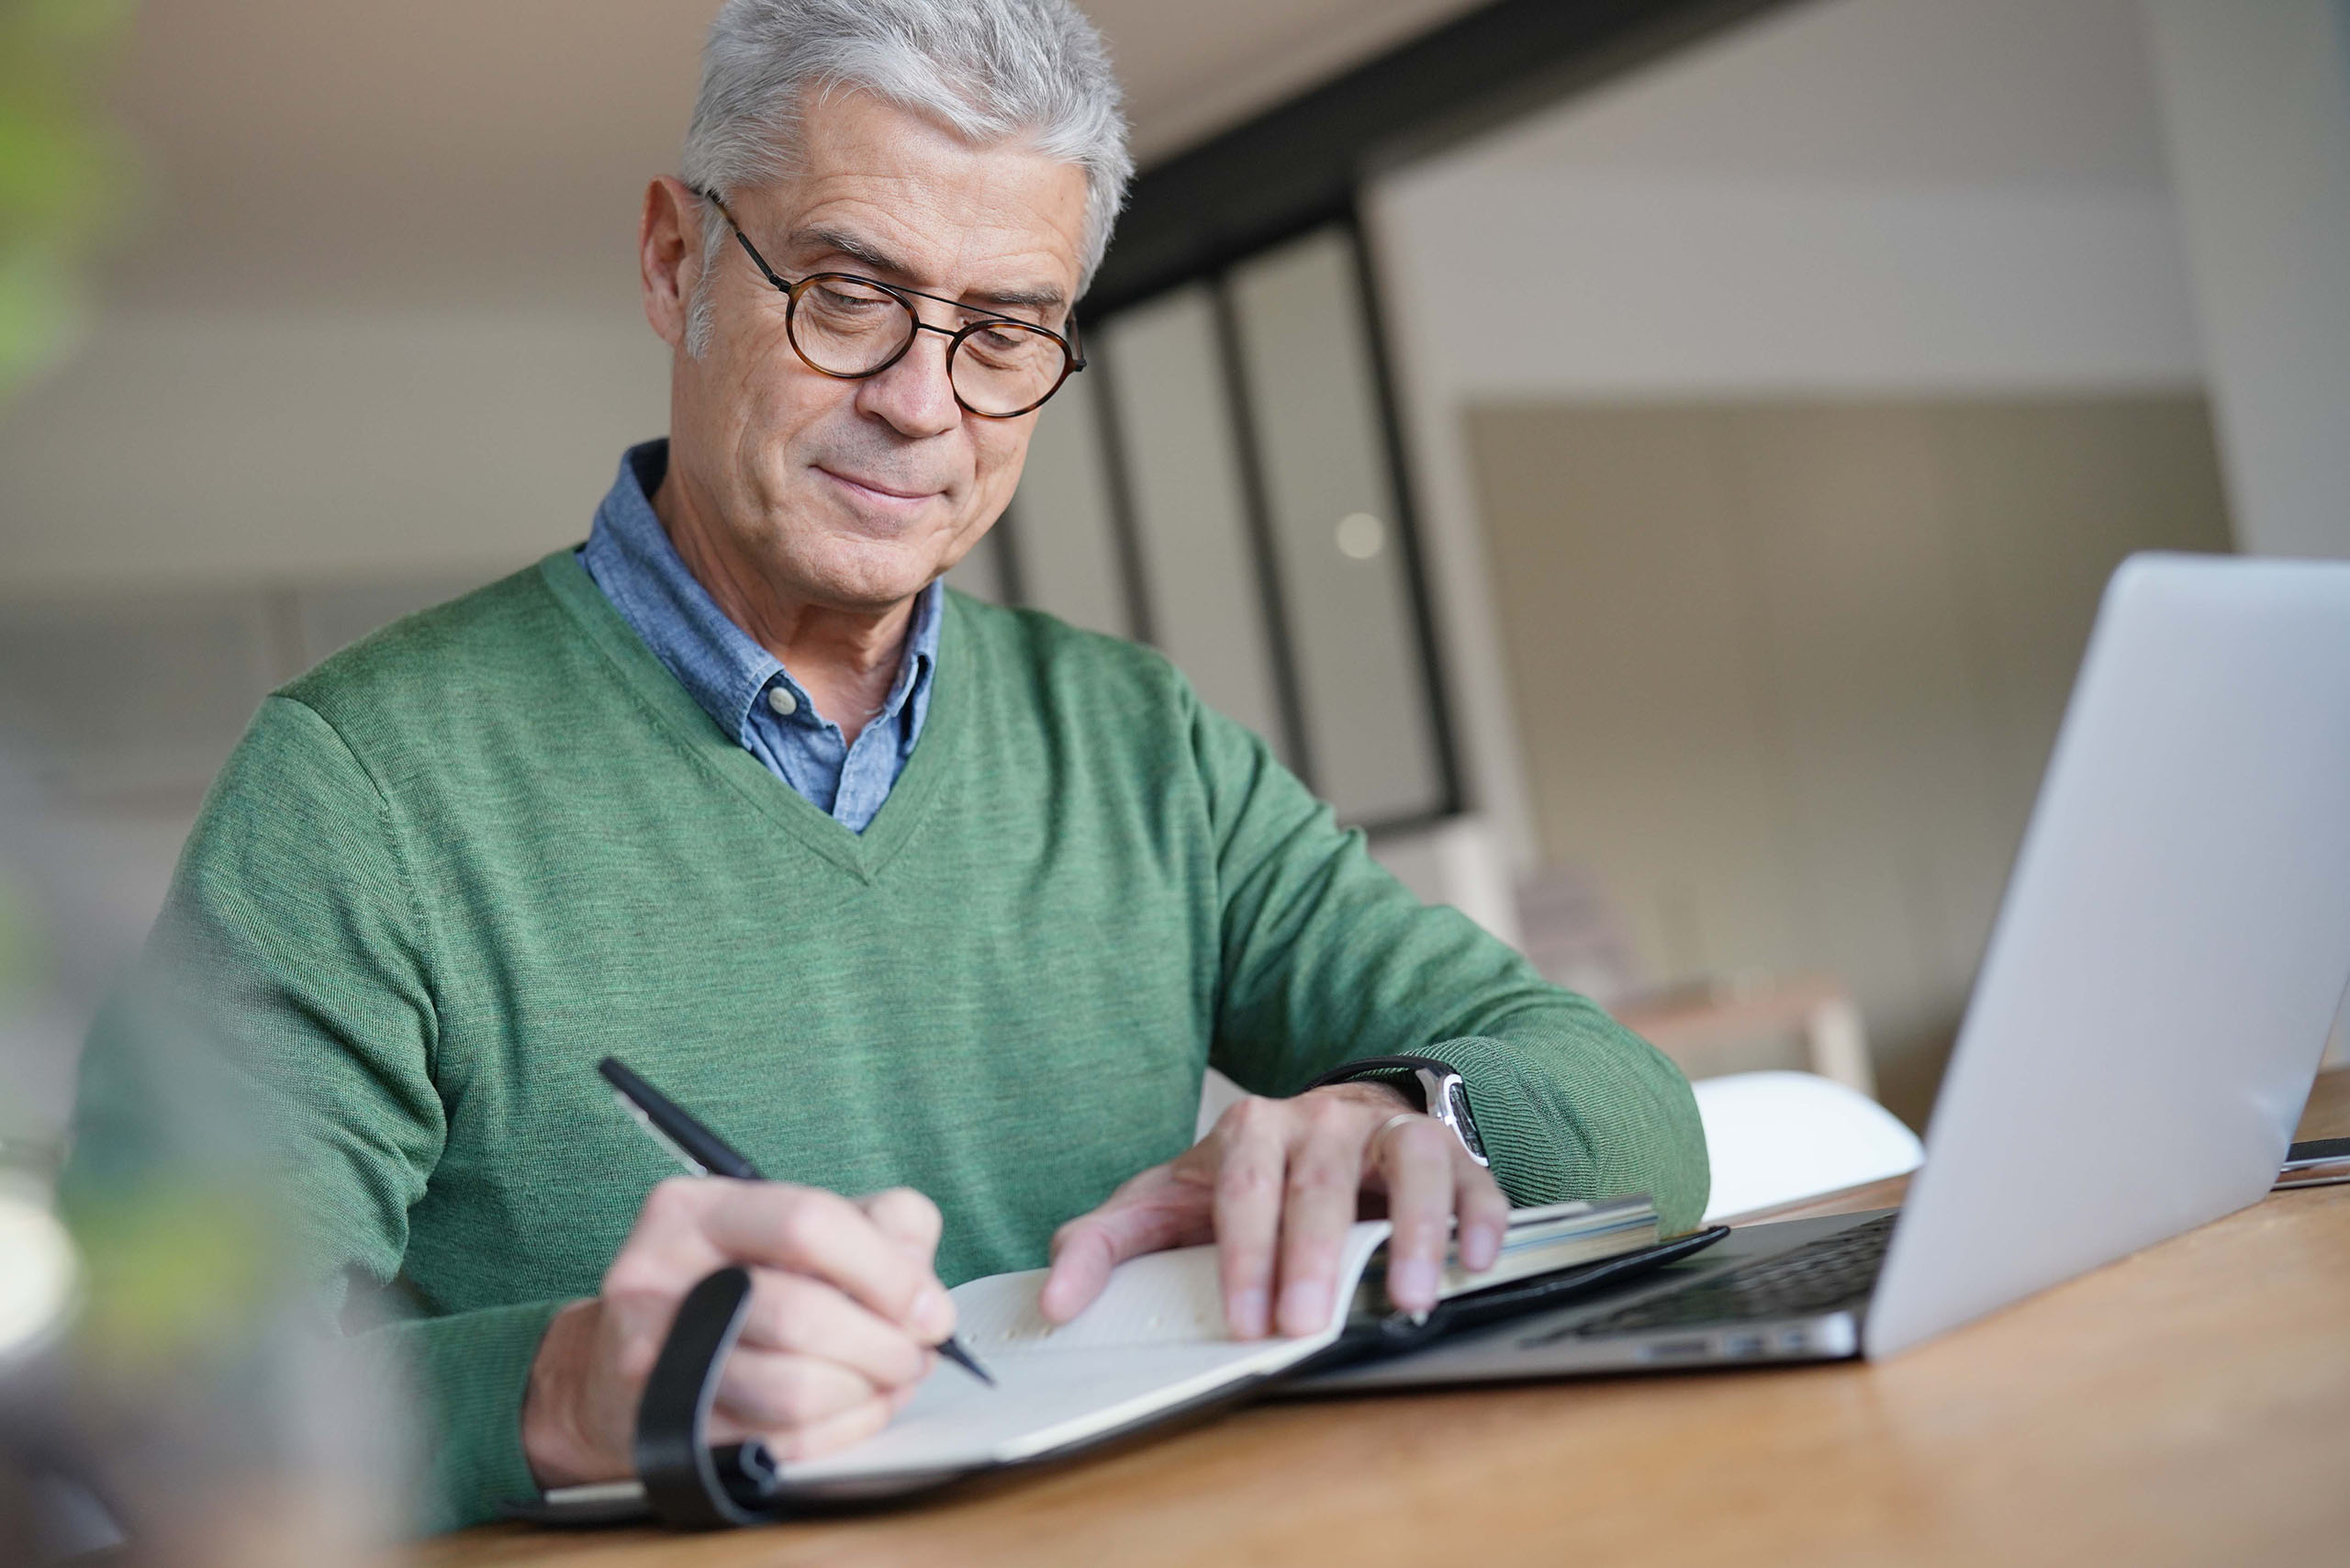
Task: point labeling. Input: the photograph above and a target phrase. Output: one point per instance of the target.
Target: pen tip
(962, 1358)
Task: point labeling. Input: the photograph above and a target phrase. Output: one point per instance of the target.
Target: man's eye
(834, 299)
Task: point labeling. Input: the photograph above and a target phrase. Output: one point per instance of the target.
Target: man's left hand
(1275, 1184)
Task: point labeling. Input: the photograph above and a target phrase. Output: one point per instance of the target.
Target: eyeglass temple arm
(740, 238)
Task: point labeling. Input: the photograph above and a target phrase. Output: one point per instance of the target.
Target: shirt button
(783, 702)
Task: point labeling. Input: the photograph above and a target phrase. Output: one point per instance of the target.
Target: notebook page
(1154, 1340)
(1158, 1298)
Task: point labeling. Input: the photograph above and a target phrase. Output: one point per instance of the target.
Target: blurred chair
(1458, 860)
(1575, 935)
(1709, 1025)
(1713, 1027)
(1777, 1136)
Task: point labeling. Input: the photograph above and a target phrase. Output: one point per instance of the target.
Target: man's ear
(668, 255)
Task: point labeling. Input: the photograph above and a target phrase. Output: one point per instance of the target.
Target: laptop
(2167, 960)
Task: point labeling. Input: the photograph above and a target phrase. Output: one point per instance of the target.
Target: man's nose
(916, 396)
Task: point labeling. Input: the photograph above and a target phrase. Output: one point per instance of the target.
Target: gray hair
(989, 70)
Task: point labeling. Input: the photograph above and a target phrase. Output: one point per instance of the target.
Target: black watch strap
(1419, 1077)
(1403, 1072)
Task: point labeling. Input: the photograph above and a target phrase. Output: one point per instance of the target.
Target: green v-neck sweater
(453, 866)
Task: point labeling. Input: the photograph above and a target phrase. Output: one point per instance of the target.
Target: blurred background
(1652, 463)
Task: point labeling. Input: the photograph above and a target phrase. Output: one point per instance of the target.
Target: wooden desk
(2189, 1405)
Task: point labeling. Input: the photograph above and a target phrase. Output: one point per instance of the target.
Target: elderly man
(939, 911)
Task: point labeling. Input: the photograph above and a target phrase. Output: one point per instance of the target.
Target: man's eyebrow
(1040, 299)
(837, 243)
(834, 242)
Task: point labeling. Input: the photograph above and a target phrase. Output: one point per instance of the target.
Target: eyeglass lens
(847, 326)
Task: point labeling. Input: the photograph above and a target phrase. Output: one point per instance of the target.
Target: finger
(834, 1433)
(805, 1230)
(1085, 1252)
(1319, 1201)
(689, 1228)
(805, 1316)
(1414, 1159)
(907, 1217)
(1253, 1140)
(1156, 1209)
(1484, 1210)
(899, 1398)
(772, 1391)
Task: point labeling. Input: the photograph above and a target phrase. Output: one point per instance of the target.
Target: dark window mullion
(1240, 409)
(1407, 520)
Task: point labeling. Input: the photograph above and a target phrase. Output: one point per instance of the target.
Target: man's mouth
(876, 492)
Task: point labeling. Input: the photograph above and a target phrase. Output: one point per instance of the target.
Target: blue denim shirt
(628, 555)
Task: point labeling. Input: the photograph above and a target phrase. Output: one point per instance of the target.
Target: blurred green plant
(63, 169)
(20, 948)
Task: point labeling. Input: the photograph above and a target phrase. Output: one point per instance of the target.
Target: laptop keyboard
(1833, 1272)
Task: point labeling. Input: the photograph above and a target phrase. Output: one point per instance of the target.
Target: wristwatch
(1441, 1093)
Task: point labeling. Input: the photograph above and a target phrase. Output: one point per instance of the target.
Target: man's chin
(859, 574)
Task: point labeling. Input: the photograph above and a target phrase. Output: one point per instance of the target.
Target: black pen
(704, 1153)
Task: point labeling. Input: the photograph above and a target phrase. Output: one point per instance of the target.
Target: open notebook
(1155, 1344)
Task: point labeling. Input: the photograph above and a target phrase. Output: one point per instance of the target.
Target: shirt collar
(629, 554)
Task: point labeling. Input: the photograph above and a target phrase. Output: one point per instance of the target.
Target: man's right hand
(844, 1311)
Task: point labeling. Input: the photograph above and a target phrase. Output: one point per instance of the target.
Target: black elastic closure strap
(683, 1485)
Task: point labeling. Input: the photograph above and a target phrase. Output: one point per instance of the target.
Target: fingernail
(1248, 1314)
(933, 1314)
(1411, 1283)
(1305, 1307)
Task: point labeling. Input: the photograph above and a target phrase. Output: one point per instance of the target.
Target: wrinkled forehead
(893, 193)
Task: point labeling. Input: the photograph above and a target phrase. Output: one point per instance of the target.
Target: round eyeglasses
(849, 328)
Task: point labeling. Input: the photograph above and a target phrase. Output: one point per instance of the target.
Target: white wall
(2256, 98)
(1681, 286)
(227, 446)
(1902, 196)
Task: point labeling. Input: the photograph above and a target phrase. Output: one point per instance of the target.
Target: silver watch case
(1445, 1097)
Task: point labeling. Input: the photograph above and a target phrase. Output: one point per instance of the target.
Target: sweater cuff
(1524, 1151)
(1543, 1152)
(470, 1370)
